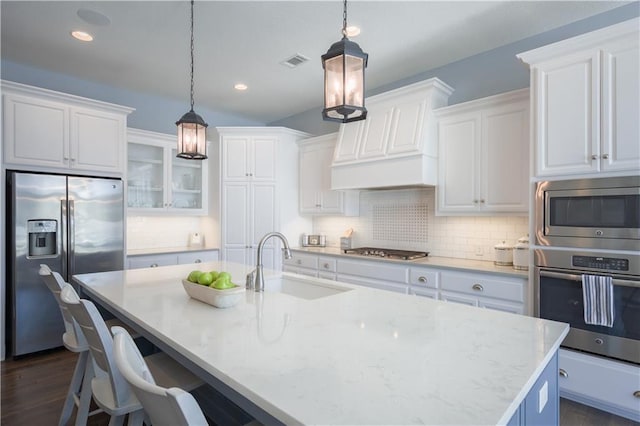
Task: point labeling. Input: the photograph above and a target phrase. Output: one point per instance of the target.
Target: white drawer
(152, 261)
(483, 286)
(424, 277)
(602, 380)
(327, 264)
(197, 256)
(377, 270)
(301, 271)
(301, 260)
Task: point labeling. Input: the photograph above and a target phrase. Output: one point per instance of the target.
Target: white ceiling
(145, 47)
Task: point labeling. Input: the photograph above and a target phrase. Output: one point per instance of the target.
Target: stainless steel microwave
(602, 213)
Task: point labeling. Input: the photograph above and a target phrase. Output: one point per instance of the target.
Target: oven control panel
(608, 263)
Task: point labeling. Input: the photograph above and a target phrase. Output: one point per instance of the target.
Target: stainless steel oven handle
(574, 277)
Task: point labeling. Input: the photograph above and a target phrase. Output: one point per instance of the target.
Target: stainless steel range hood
(396, 146)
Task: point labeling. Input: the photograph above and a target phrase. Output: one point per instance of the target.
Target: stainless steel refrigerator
(72, 224)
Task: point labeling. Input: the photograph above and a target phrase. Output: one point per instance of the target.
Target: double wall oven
(590, 227)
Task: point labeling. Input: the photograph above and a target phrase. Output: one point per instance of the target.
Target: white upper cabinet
(158, 181)
(484, 156)
(46, 130)
(396, 145)
(586, 103)
(250, 156)
(315, 193)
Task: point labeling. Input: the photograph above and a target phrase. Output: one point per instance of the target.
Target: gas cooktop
(387, 253)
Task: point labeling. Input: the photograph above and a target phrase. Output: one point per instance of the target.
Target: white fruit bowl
(218, 298)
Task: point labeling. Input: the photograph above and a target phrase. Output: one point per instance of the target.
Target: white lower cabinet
(491, 291)
(482, 290)
(166, 259)
(301, 263)
(599, 382)
(424, 282)
(378, 275)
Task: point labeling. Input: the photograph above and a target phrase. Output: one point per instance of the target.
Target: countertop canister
(521, 254)
(503, 254)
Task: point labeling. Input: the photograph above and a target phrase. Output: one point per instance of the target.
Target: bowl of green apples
(214, 288)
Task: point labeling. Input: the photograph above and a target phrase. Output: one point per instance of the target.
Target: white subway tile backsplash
(449, 236)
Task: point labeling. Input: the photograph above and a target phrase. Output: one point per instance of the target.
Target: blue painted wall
(488, 73)
(152, 112)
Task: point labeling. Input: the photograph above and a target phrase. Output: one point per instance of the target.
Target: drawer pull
(153, 265)
(563, 373)
(477, 287)
(198, 261)
(326, 266)
(422, 279)
(637, 394)
(299, 261)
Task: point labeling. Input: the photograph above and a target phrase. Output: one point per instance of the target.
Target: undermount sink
(301, 287)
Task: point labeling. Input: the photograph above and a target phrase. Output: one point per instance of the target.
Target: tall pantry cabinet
(258, 192)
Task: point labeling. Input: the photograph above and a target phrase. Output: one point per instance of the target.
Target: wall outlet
(479, 251)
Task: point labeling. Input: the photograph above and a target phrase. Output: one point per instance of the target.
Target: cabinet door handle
(326, 266)
(605, 156)
(198, 261)
(637, 394)
(563, 373)
(482, 201)
(246, 174)
(477, 287)
(475, 201)
(422, 279)
(594, 157)
(153, 265)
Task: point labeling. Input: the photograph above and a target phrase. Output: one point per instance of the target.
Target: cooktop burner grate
(387, 253)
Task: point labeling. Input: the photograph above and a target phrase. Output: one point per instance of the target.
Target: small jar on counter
(503, 254)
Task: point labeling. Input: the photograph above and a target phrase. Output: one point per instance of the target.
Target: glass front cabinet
(158, 181)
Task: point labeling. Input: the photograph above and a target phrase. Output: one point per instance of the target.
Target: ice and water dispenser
(42, 237)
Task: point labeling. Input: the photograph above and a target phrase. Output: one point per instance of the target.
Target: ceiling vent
(295, 61)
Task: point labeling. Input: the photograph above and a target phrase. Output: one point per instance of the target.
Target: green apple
(193, 276)
(215, 274)
(225, 275)
(222, 284)
(205, 278)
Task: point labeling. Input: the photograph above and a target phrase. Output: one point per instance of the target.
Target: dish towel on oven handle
(597, 293)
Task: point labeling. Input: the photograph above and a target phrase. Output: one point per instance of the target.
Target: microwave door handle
(574, 277)
(72, 238)
(63, 236)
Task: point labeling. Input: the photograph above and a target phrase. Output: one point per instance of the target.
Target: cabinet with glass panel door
(158, 181)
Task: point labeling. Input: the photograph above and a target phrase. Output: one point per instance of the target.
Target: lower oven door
(559, 298)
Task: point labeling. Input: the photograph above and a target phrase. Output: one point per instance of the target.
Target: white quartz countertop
(359, 357)
(434, 261)
(163, 250)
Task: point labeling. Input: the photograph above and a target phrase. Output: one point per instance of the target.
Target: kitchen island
(357, 356)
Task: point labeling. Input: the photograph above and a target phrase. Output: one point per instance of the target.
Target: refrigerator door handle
(72, 240)
(62, 236)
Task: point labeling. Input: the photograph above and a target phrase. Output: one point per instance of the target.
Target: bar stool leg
(85, 395)
(74, 388)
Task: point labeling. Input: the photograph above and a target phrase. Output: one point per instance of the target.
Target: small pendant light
(192, 129)
(344, 65)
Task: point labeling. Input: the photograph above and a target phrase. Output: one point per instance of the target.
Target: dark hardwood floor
(33, 389)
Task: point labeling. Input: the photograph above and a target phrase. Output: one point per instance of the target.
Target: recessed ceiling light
(352, 31)
(81, 35)
(240, 86)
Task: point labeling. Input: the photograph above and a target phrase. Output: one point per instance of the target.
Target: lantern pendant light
(344, 65)
(192, 129)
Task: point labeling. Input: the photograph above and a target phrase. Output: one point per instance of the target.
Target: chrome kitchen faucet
(255, 279)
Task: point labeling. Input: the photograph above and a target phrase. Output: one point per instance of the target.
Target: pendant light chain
(344, 19)
(191, 55)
